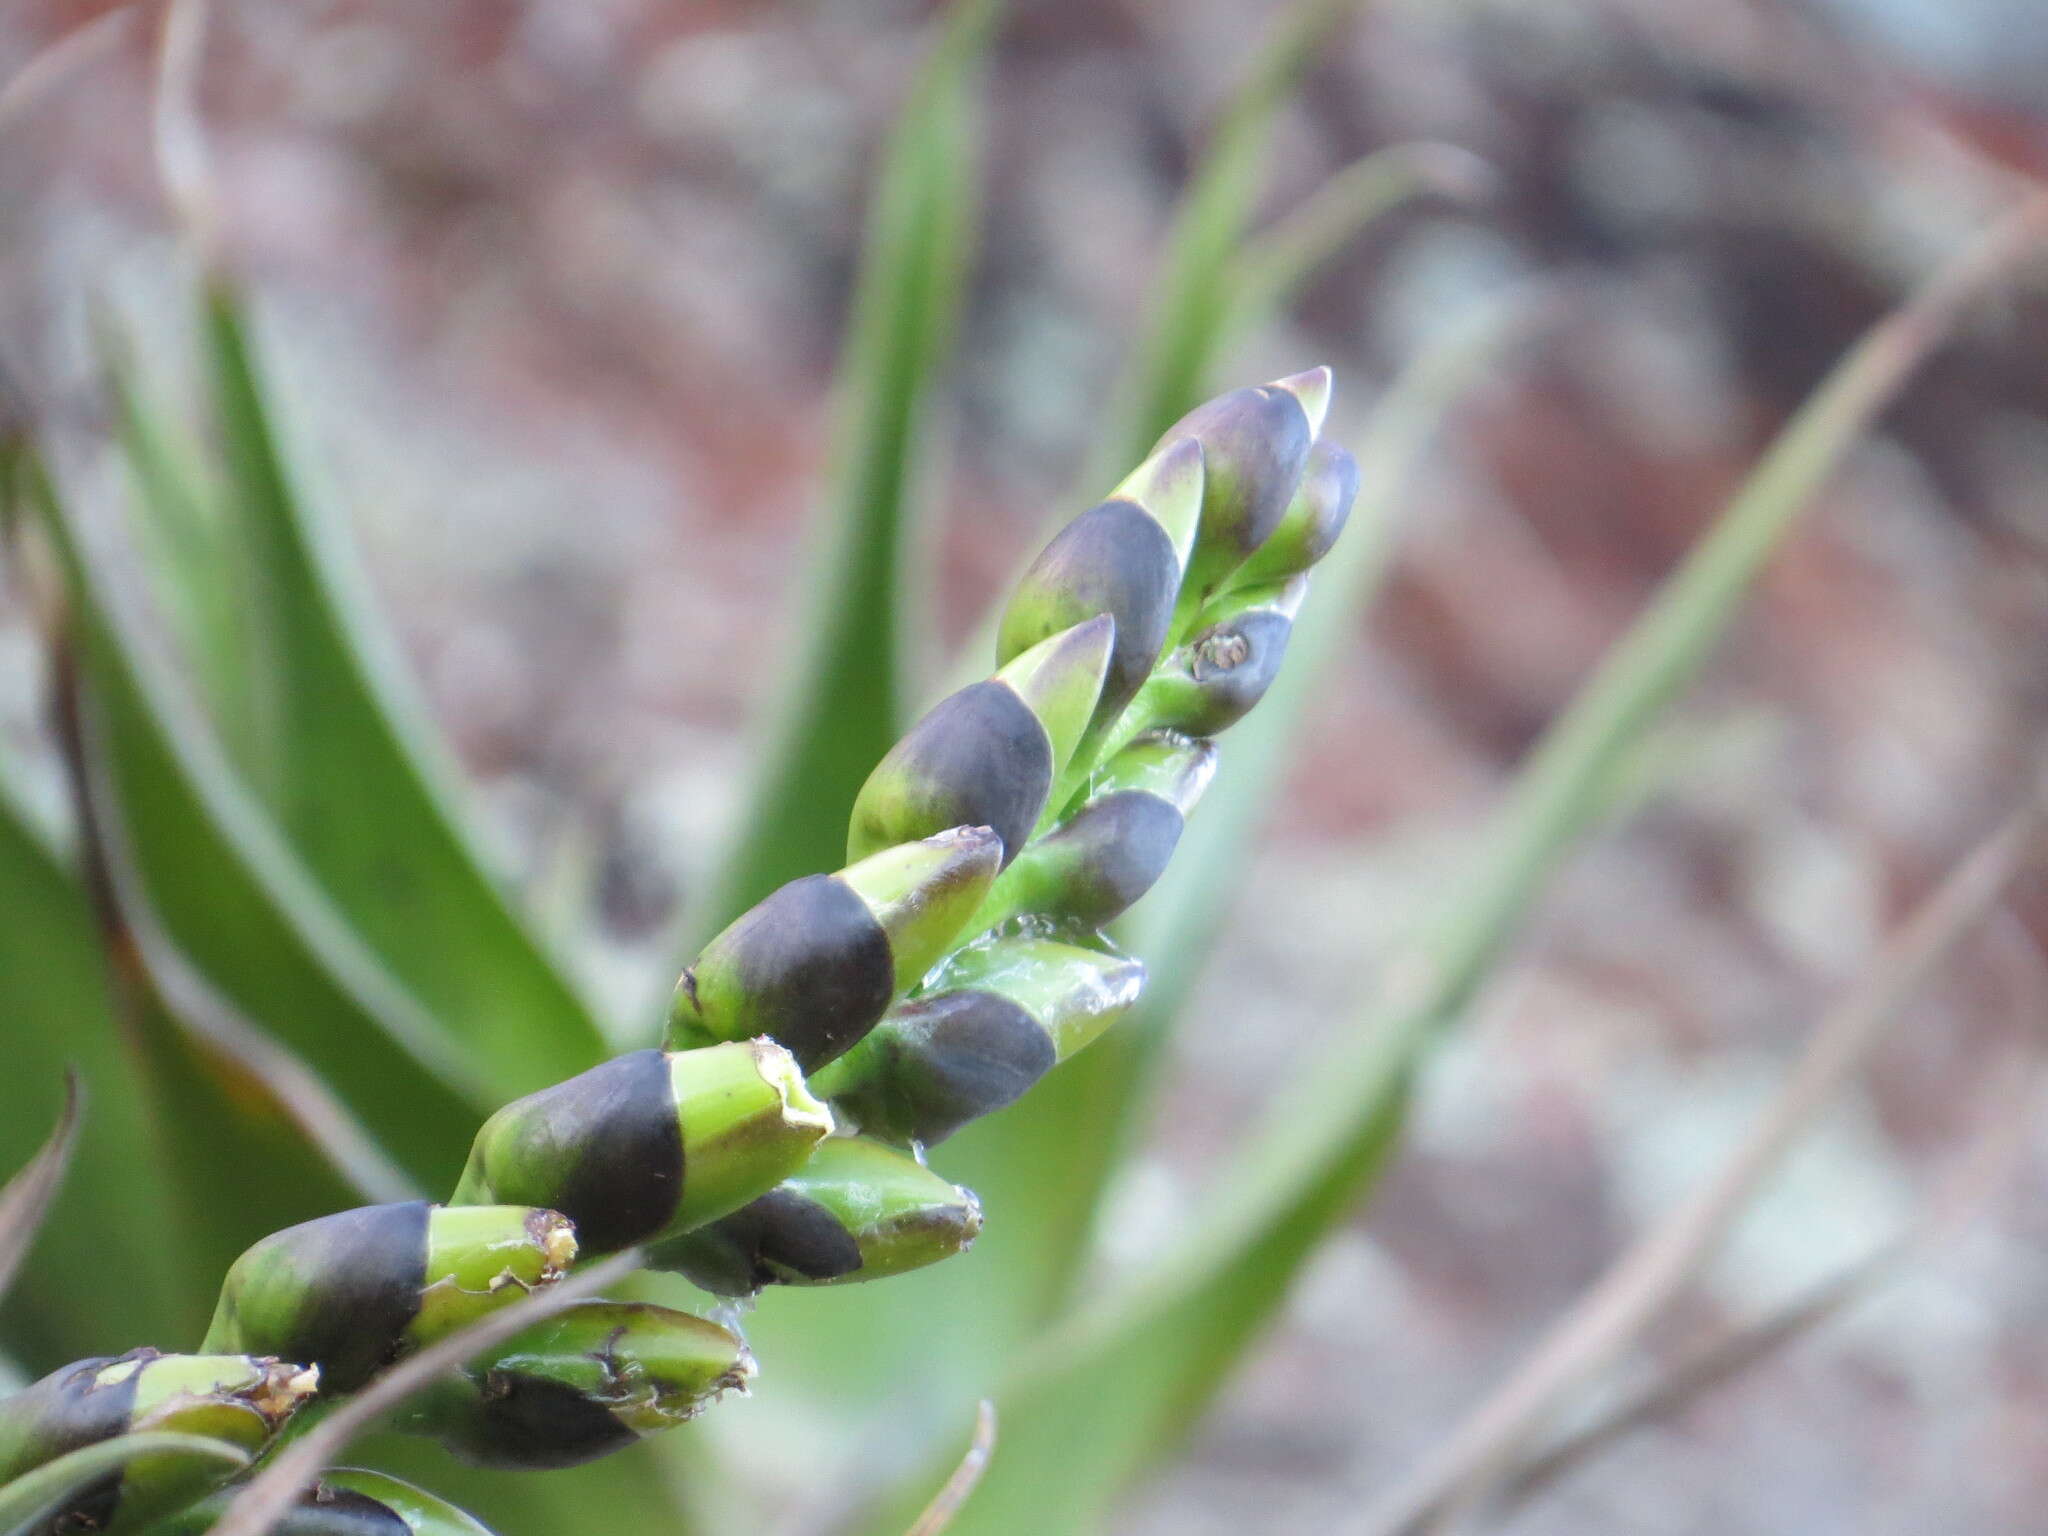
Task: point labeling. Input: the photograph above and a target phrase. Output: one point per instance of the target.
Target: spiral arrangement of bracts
(815, 1049)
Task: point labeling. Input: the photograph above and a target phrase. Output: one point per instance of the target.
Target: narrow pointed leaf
(202, 576)
(234, 899)
(25, 1198)
(1194, 299)
(848, 702)
(358, 784)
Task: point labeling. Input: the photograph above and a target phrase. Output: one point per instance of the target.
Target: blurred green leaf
(1127, 1377)
(200, 574)
(1195, 298)
(234, 899)
(70, 1300)
(238, 1164)
(846, 701)
(25, 1198)
(29, 1498)
(1273, 264)
(231, 1108)
(359, 786)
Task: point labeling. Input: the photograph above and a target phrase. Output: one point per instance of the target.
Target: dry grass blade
(946, 1502)
(25, 1199)
(1982, 1172)
(1611, 1315)
(272, 1492)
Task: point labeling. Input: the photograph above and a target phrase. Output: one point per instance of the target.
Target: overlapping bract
(815, 1047)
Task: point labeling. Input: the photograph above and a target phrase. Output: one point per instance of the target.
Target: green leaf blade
(233, 898)
(359, 788)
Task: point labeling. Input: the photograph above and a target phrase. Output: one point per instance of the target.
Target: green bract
(815, 964)
(650, 1143)
(987, 755)
(586, 1382)
(858, 1210)
(234, 1399)
(997, 1019)
(353, 1291)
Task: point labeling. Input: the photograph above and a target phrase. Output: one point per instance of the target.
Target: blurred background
(554, 293)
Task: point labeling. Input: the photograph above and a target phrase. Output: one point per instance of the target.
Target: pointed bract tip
(922, 893)
(1060, 678)
(1312, 389)
(1168, 485)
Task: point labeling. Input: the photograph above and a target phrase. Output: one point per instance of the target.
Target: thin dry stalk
(1612, 1315)
(946, 1502)
(1982, 1172)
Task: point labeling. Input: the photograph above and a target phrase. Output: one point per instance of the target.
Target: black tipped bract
(1234, 664)
(359, 1277)
(810, 967)
(740, 1254)
(528, 1421)
(1114, 559)
(343, 1512)
(980, 758)
(324, 1510)
(603, 1148)
(943, 1061)
(1110, 852)
(64, 1411)
(1254, 444)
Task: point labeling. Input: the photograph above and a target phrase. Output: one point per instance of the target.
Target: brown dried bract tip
(556, 1235)
(281, 1388)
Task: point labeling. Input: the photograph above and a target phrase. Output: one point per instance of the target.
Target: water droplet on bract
(730, 1313)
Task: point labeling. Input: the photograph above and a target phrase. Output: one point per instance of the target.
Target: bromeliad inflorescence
(816, 1047)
